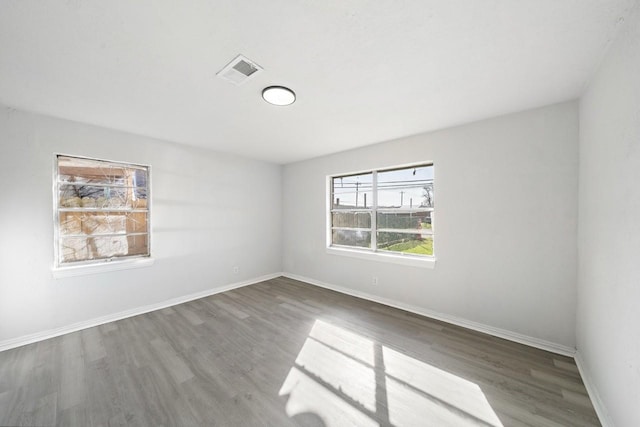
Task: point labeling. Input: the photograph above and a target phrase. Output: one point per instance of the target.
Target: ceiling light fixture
(278, 95)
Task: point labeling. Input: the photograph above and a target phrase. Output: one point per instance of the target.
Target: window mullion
(374, 210)
(56, 218)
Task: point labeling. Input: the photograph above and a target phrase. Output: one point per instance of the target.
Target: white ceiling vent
(239, 70)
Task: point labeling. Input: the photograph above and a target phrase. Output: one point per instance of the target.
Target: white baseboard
(497, 332)
(598, 404)
(51, 333)
(501, 333)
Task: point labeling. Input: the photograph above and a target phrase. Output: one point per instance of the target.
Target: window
(385, 211)
(102, 211)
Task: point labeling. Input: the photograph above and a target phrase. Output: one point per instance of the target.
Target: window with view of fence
(102, 210)
(388, 210)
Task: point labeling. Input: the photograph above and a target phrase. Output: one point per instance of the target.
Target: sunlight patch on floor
(306, 395)
(451, 397)
(347, 379)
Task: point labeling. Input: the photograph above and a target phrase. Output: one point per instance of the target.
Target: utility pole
(401, 198)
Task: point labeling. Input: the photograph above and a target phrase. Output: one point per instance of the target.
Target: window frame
(373, 253)
(77, 268)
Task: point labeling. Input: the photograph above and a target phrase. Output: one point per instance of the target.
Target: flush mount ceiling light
(278, 95)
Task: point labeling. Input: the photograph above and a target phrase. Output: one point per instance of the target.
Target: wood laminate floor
(284, 353)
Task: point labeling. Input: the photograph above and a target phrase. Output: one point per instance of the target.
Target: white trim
(598, 404)
(59, 270)
(413, 261)
(85, 269)
(491, 330)
(374, 253)
(52, 333)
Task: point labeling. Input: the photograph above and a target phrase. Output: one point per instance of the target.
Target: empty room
(330, 213)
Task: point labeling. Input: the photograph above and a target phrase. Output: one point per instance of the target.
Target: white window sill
(413, 261)
(103, 267)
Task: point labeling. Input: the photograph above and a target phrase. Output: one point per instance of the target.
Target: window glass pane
(73, 223)
(357, 238)
(87, 171)
(351, 192)
(405, 243)
(138, 244)
(405, 220)
(351, 219)
(140, 184)
(99, 247)
(406, 188)
(86, 196)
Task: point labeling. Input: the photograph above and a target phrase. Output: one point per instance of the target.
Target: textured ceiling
(365, 71)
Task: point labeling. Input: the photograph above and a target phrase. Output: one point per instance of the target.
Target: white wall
(211, 211)
(506, 208)
(608, 313)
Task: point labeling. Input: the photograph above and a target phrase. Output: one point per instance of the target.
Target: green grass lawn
(421, 247)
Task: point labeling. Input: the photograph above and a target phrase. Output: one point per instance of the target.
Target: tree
(427, 196)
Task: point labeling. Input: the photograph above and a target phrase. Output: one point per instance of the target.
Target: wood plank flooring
(284, 353)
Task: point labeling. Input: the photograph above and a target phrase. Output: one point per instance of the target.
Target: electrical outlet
(236, 269)
(374, 280)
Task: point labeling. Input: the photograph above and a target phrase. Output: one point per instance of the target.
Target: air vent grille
(239, 70)
(245, 68)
